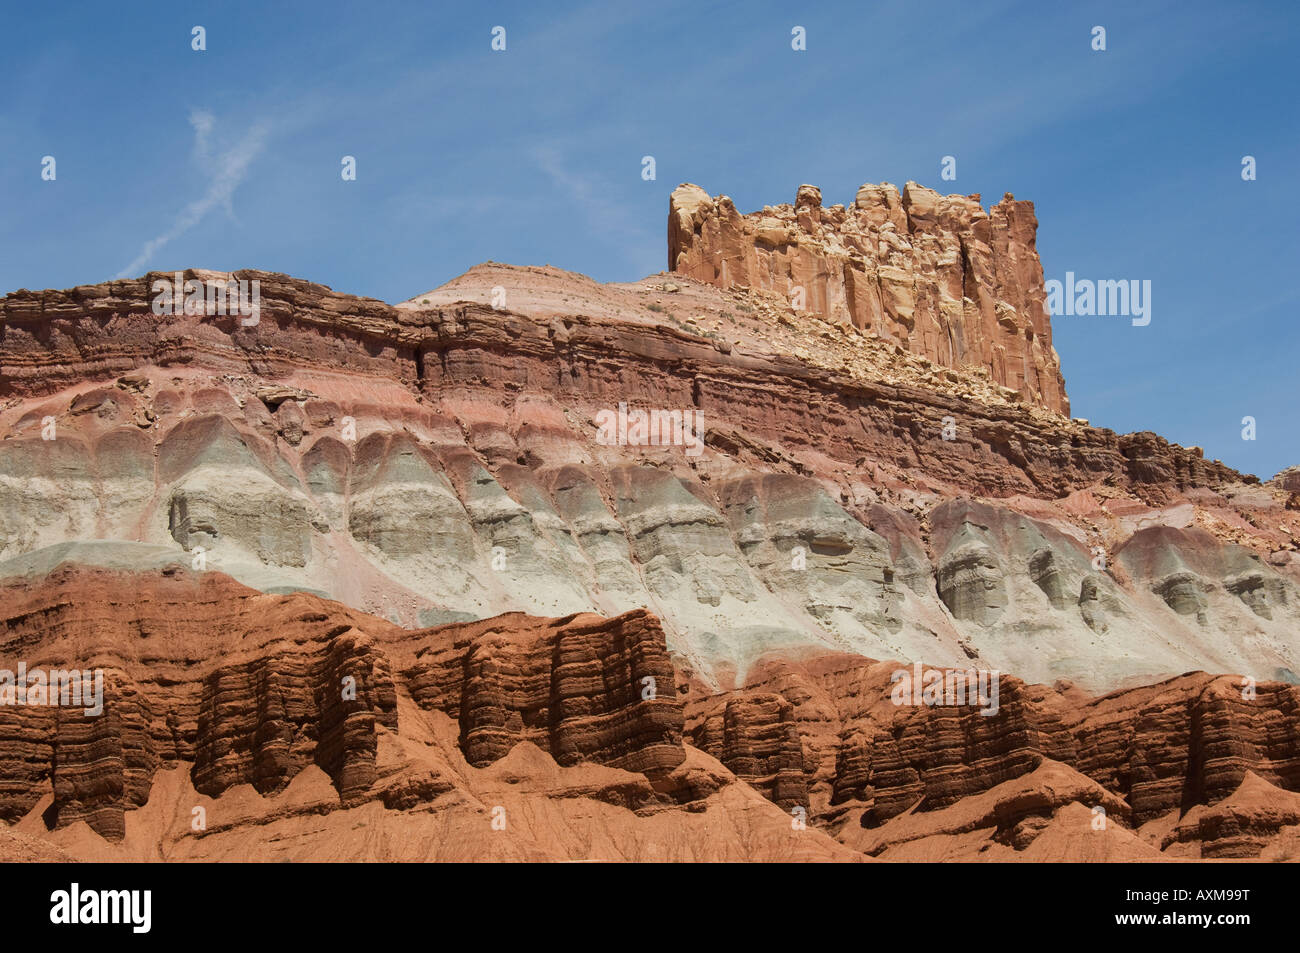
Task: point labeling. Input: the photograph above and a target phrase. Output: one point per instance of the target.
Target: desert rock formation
(365, 580)
(439, 462)
(265, 710)
(940, 275)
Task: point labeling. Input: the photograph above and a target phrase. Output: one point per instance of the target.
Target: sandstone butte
(937, 274)
(366, 585)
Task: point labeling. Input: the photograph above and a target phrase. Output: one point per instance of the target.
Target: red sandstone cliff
(1156, 755)
(581, 739)
(940, 275)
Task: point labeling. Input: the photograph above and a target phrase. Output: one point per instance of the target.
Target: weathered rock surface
(1289, 479)
(1258, 820)
(548, 644)
(755, 736)
(1176, 750)
(267, 709)
(940, 275)
(439, 463)
(582, 689)
(251, 689)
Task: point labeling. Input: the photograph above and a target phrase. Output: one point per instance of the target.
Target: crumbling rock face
(1182, 592)
(933, 759)
(1190, 741)
(1288, 479)
(247, 688)
(262, 722)
(582, 688)
(1199, 577)
(101, 766)
(1258, 591)
(970, 584)
(1252, 822)
(1090, 608)
(1046, 575)
(939, 275)
(754, 735)
(807, 548)
(1168, 749)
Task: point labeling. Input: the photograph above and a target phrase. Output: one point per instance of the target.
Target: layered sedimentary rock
(871, 753)
(1258, 820)
(754, 735)
(485, 625)
(247, 688)
(581, 689)
(940, 275)
(214, 691)
(263, 721)
(1289, 479)
(442, 462)
(103, 332)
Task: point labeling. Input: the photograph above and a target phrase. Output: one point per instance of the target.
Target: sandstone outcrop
(940, 275)
(1176, 750)
(481, 626)
(251, 689)
(754, 735)
(266, 709)
(581, 689)
(1289, 479)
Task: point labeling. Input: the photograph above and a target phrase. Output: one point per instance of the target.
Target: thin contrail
(226, 172)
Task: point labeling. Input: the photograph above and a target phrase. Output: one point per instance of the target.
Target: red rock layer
(582, 688)
(252, 688)
(766, 409)
(1163, 748)
(755, 735)
(938, 274)
(262, 721)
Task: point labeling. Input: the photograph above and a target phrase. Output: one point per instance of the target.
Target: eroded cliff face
(243, 688)
(939, 275)
(307, 730)
(440, 462)
(466, 596)
(1155, 758)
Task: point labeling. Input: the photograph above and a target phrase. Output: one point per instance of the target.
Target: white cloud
(224, 172)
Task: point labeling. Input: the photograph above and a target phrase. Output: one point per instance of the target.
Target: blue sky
(230, 158)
